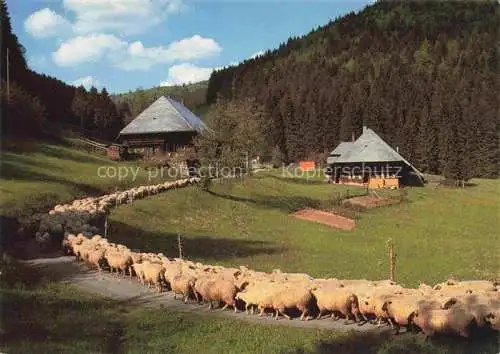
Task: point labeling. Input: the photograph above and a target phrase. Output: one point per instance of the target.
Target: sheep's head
(448, 303)
(451, 281)
(415, 317)
(353, 299)
(243, 284)
(492, 319)
(385, 306)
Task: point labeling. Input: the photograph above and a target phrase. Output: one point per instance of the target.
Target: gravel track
(129, 291)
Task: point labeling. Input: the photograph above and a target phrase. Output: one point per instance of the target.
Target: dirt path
(65, 269)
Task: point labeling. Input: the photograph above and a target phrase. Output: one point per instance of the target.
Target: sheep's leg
(235, 309)
(319, 315)
(211, 306)
(346, 322)
(364, 317)
(356, 317)
(277, 314)
(391, 323)
(225, 307)
(284, 314)
(464, 333)
(261, 313)
(175, 295)
(186, 299)
(304, 313)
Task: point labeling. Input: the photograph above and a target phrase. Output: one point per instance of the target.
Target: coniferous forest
(424, 75)
(37, 99)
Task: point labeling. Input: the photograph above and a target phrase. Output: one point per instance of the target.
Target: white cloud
(120, 16)
(138, 57)
(133, 56)
(46, 23)
(186, 73)
(84, 49)
(87, 82)
(257, 54)
(175, 6)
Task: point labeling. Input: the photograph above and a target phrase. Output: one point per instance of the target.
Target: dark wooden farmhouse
(371, 162)
(165, 126)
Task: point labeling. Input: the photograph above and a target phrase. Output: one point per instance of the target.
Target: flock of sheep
(451, 307)
(79, 216)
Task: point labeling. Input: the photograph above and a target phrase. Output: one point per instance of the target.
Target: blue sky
(126, 44)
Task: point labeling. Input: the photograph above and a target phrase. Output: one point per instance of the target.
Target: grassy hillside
(438, 233)
(36, 176)
(237, 223)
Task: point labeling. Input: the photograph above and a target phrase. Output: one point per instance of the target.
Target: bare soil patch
(323, 217)
(369, 202)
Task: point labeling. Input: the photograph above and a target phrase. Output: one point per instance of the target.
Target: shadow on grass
(408, 343)
(297, 180)
(54, 319)
(287, 204)
(194, 247)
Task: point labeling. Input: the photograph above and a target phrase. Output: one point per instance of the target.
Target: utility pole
(8, 76)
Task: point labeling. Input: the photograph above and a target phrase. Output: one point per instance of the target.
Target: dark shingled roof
(165, 115)
(342, 148)
(369, 147)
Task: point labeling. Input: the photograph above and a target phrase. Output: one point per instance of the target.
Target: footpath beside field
(131, 292)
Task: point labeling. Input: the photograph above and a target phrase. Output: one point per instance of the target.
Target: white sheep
(456, 320)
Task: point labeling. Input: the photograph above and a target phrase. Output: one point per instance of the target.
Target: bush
(276, 157)
(205, 182)
(22, 114)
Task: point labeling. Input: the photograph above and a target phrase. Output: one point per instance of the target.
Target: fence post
(392, 259)
(179, 245)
